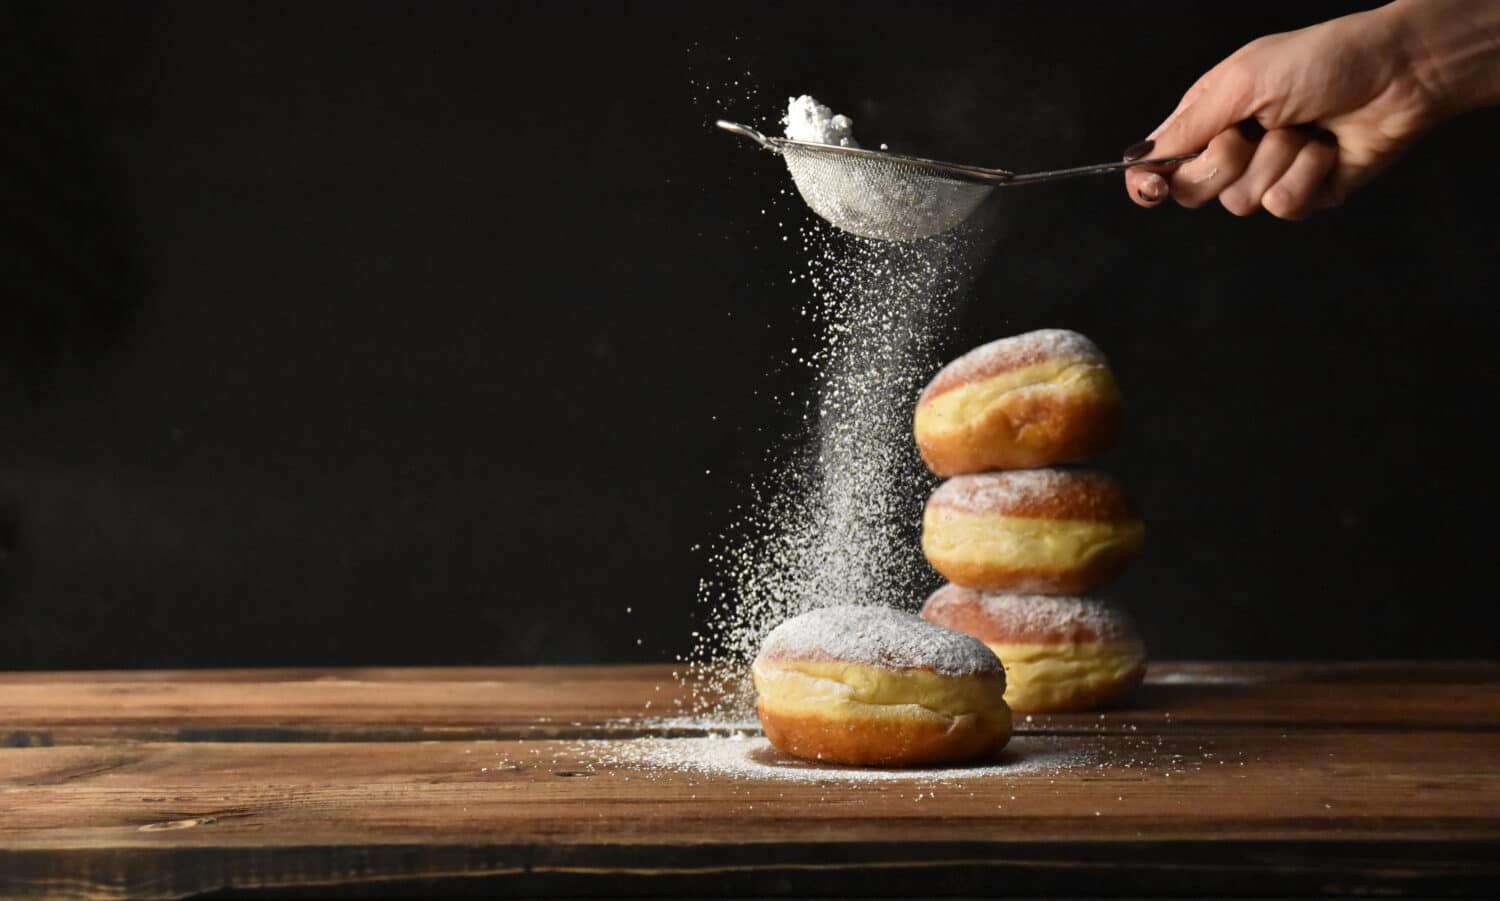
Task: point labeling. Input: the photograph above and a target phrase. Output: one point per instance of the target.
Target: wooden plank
(385, 704)
(1396, 809)
(506, 674)
(1250, 784)
(906, 869)
(1168, 700)
(320, 705)
(1212, 779)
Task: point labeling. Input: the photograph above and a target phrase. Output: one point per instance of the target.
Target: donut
(1044, 531)
(1059, 653)
(1018, 403)
(872, 686)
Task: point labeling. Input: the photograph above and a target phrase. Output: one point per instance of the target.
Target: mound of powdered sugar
(743, 757)
(878, 636)
(810, 121)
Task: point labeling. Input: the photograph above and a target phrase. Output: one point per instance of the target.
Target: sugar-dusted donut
(873, 686)
(1018, 403)
(1060, 653)
(1047, 531)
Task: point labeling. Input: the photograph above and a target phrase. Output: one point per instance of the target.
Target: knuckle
(1237, 80)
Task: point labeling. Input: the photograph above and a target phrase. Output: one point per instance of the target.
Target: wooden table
(1240, 778)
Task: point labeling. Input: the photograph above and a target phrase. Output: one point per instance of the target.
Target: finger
(1148, 185)
(1198, 181)
(1273, 156)
(1147, 189)
(1224, 96)
(1296, 193)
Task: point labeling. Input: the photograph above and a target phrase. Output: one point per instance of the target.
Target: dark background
(396, 333)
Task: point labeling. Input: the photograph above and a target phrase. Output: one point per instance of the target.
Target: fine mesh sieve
(894, 197)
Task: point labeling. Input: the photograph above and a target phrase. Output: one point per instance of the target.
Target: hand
(1292, 123)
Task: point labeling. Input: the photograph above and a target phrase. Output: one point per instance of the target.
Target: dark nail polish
(1138, 151)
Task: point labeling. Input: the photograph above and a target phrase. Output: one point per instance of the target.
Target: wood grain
(350, 705)
(1264, 778)
(1254, 784)
(384, 704)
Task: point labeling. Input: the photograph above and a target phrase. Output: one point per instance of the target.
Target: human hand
(1292, 123)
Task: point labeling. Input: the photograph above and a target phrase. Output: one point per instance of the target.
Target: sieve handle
(746, 131)
(1100, 169)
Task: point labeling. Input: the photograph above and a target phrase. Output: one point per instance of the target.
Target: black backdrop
(441, 333)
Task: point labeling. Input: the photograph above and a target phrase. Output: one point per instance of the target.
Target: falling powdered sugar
(835, 519)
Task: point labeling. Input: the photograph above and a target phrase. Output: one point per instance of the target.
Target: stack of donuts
(1022, 541)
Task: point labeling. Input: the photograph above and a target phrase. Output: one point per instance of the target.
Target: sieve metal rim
(957, 171)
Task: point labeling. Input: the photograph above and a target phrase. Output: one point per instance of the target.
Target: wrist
(1450, 50)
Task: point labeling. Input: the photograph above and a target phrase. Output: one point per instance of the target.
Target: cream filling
(1049, 676)
(853, 691)
(961, 408)
(1024, 542)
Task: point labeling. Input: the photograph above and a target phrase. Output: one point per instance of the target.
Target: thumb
(1219, 100)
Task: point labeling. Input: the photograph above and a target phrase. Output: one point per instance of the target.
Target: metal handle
(1100, 169)
(997, 177)
(746, 131)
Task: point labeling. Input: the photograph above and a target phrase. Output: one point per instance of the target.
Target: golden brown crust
(906, 742)
(1038, 494)
(993, 576)
(1024, 432)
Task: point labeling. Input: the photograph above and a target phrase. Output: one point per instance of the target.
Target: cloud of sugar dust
(836, 519)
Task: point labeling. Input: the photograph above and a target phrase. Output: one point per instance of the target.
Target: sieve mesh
(878, 197)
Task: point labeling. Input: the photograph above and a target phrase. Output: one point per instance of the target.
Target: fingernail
(1138, 151)
(1152, 188)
